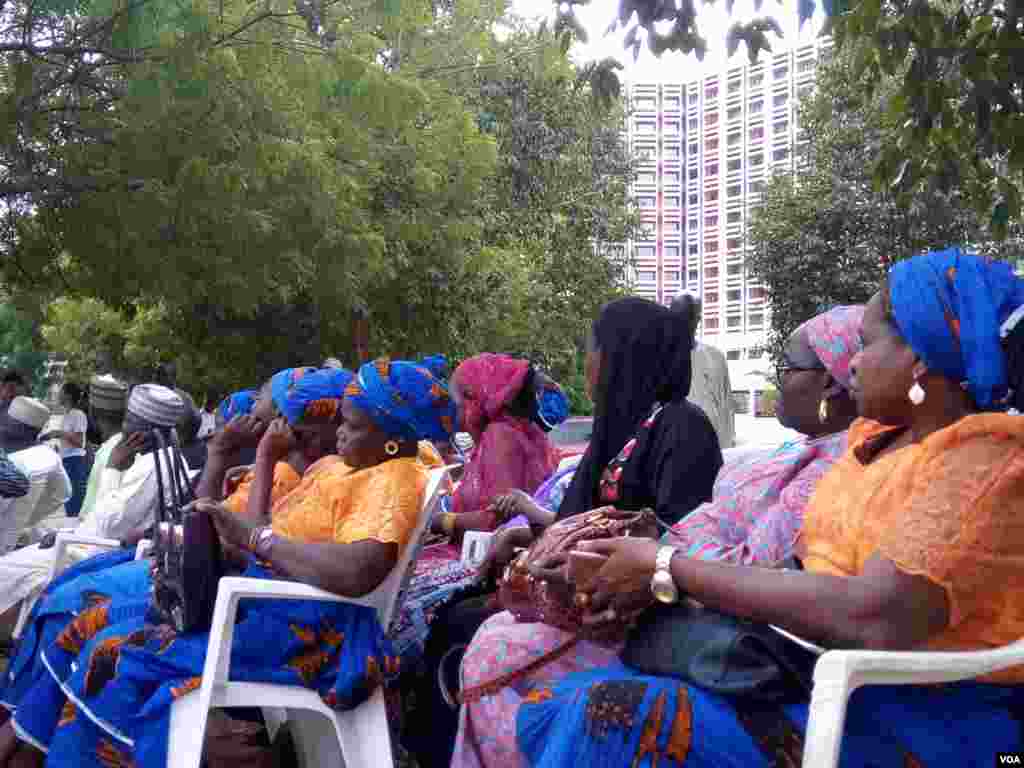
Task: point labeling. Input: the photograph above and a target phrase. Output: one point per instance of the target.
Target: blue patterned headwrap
(552, 405)
(316, 396)
(238, 404)
(283, 383)
(404, 399)
(437, 365)
(949, 306)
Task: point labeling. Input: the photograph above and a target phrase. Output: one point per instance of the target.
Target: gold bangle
(448, 523)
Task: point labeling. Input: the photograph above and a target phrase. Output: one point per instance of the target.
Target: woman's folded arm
(352, 570)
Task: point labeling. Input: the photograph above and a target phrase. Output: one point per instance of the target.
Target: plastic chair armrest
(915, 667)
(65, 539)
(839, 673)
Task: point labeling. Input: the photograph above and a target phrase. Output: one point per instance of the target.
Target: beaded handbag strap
(492, 687)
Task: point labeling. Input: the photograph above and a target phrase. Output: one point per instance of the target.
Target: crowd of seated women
(892, 523)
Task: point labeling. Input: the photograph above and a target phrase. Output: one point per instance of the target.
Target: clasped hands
(620, 589)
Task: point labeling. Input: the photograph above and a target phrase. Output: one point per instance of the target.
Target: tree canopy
(226, 184)
(20, 347)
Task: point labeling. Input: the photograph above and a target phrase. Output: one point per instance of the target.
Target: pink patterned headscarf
(511, 452)
(489, 383)
(835, 338)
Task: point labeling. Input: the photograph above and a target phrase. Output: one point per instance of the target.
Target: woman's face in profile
(360, 443)
(802, 380)
(883, 369)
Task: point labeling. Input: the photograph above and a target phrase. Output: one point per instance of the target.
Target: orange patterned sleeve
(961, 527)
(286, 479)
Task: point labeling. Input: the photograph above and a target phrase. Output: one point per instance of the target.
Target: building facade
(706, 147)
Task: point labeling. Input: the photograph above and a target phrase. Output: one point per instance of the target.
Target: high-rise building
(706, 147)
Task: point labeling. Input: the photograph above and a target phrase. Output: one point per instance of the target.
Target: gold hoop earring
(823, 410)
(391, 448)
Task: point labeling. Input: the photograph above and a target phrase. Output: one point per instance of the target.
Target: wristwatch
(663, 586)
(262, 541)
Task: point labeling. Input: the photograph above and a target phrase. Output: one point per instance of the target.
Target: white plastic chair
(839, 673)
(358, 738)
(17, 514)
(63, 540)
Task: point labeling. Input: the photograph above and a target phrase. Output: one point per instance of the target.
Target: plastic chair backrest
(18, 514)
(42, 466)
(386, 596)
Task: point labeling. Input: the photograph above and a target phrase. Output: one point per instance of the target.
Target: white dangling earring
(916, 393)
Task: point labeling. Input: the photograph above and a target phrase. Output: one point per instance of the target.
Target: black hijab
(645, 358)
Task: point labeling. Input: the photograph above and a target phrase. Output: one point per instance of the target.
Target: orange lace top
(341, 505)
(285, 480)
(950, 508)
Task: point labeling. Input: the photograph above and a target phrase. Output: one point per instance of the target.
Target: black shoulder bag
(188, 561)
(720, 653)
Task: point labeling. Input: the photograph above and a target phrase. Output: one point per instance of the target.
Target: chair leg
(274, 717)
(364, 734)
(827, 715)
(188, 726)
(317, 742)
(23, 613)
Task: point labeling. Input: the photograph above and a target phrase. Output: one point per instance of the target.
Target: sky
(713, 22)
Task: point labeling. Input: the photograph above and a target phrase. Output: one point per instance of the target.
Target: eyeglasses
(782, 370)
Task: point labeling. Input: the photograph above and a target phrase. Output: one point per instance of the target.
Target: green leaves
(241, 176)
(958, 96)
(20, 343)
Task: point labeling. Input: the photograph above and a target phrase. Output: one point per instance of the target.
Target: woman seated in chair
(305, 397)
(308, 399)
(497, 400)
(238, 424)
(232, 447)
(112, 677)
(507, 406)
(759, 497)
(757, 508)
(911, 542)
(753, 518)
(651, 449)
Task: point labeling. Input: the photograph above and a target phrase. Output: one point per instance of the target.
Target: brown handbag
(552, 601)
